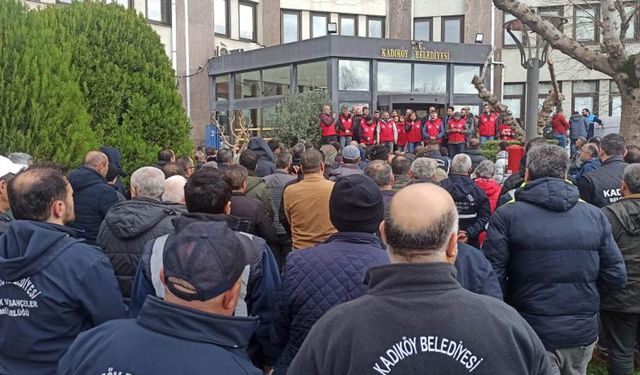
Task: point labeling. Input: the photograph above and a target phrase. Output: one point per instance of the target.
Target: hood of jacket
(491, 187)
(253, 182)
(260, 147)
(576, 118)
(114, 156)
(628, 212)
(557, 116)
(85, 177)
(29, 246)
(130, 219)
(502, 155)
(551, 193)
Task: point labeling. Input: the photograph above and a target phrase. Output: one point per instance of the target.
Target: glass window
(508, 40)
(348, 25)
(220, 17)
(430, 78)
(318, 25)
(276, 81)
(222, 88)
(452, 29)
(514, 89)
(585, 24)
(394, 77)
(631, 31)
(585, 95)
(312, 76)
(247, 85)
(158, 10)
(290, 27)
(375, 27)
(247, 21)
(353, 75)
(422, 29)
(615, 101)
(514, 98)
(462, 77)
(515, 105)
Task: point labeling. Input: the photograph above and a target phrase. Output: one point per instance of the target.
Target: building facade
(211, 43)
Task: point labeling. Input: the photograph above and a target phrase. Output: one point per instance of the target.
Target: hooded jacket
(417, 318)
(262, 285)
(266, 160)
(553, 255)
(601, 187)
(472, 203)
(559, 124)
(577, 126)
(474, 272)
(257, 188)
(491, 188)
(624, 217)
(164, 339)
(345, 169)
(92, 199)
(127, 228)
(52, 287)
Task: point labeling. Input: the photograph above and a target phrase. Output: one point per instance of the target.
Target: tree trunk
(630, 115)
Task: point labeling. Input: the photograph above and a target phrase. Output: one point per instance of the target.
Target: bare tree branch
(553, 99)
(611, 31)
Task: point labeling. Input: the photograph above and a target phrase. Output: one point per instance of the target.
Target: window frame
(355, 23)
(227, 21)
(593, 95)
(166, 4)
(596, 28)
(635, 23)
(521, 97)
(254, 9)
(423, 19)
(297, 13)
(327, 17)
(443, 28)
(382, 26)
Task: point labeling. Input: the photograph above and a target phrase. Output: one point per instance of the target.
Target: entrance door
(421, 109)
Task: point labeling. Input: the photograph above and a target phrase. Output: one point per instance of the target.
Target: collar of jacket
(282, 171)
(6, 216)
(193, 325)
(355, 237)
(312, 177)
(408, 278)
(182, 221)
(613, 159)
(238, 194)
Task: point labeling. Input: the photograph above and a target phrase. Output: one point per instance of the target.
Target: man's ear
(452, 248)
(383, 233)
(526, 175)
(230, 297)
(227, 208)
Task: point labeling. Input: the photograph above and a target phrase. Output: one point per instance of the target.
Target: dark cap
(203, 261)
(356, 204)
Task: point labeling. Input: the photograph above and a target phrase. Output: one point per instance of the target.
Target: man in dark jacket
(432, 151)
(561, 302)
(92, 196)
(266, 160)
(115, 162)
(316, 279)
(224, 158)
(415, 315)
(620, 310)
(474, 208)
(208, 198)
(193, 331)
(578, 126)
(349, 166)
(474, 272)
(129, 225)
(589, 160)
(602, 186)
(473, 150)
(52, 286)
(249, 210)
(7, 171)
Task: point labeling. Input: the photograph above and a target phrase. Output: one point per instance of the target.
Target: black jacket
(473, 205)
(266, 160)
(474, 272)
(126, 229)
(443, 163)
(252, 210)
(601, 187)
(417, 317)
(5, 219)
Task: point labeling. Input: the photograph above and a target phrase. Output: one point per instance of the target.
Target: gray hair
(20, 158)
(380, 172)
(174, 189)
(486, 169)
(461, 164)
(547, 161)
(284, 159)
(148, 182)
(631, 177)
(424, 168)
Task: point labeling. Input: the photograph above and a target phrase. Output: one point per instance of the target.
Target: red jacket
(506, 133)
(559, 124)
(327, 125)
(402, 136)
(434, 129)
(487, 127)
(459, 125)
(386, 132)
(415, 132)
(344, 124)
(367, 136)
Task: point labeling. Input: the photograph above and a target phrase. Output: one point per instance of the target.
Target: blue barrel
(211, 137)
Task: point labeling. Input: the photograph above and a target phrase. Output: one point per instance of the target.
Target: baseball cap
(7, 166)
(203, 261)
(350, 152)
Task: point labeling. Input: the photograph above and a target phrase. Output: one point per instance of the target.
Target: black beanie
(356, 204)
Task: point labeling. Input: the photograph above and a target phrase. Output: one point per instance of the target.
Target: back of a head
(400, 165)
(547, 161)
(174, 189)
(380, 172)
(95, 159)
(420, 221)
(421, 152)
(474, 144)
(249, 160)
(424, 168)
(32, 192)
(148, 182)
(174, 169)
(534, 142)
(166, 156)
(486, 169)
(613, 145)
(224, 155)
(503, 146)
(311, 161)
(20, 158)
(237, 175)
(461, 165)
(284, 160)
(378, 152)
(631, 178)
(444, 151)
(329, 154)
(185, 161)
(633, 154)
(208, 191)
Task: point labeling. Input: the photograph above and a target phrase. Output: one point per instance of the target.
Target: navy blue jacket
(553, 255)
(316, 279)
(92, 198)
(474, 272)
(164, 339)
(472, 203)
(52, 287)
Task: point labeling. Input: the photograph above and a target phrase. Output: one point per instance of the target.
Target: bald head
(97, 161)
(422, 221)
(174, 189)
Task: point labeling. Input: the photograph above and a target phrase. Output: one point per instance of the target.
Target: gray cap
(350, 152)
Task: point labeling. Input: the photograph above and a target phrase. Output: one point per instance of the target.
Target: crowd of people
(365, 255)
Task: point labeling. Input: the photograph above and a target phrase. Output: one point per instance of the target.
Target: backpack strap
(155, 264)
